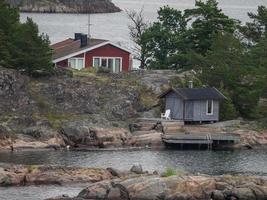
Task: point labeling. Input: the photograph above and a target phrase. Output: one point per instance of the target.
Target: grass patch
(56, 119)
(32, 168)
(86, 72)
(172, 172)
(169, 172)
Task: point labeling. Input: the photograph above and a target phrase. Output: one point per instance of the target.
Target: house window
(76, 63)
(96, 62)
(103, 62)
(117, 65)
(113, 63)
(209, 107)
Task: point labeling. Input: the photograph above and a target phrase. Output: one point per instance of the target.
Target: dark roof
(70, 46)
(196, 93)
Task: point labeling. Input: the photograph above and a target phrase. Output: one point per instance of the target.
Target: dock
(180, 136)
(209, 140)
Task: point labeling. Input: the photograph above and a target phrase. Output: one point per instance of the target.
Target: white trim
(89, 49)
(104, 57)
(84, 59)
(207, 107)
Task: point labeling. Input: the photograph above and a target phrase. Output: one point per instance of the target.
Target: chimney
(190, 84)
(77, 36)
(82, 37)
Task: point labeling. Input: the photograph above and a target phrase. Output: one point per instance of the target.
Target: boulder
(76, 132)
(153, 140)
(96, 191)
(217, 195)
(39, 132)
(138, 169)
(243, 194)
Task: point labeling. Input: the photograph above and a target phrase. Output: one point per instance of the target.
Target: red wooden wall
(104, 51)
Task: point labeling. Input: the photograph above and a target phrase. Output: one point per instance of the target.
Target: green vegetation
(147, 97)
(32, 168)
(21, 45)
(222, 52)
(169, 172)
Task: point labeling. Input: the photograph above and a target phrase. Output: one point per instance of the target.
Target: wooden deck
(176, 134)
(201, 138)
(181, 122)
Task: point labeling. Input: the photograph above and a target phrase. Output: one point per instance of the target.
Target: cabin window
(117, 65)
(96, 62)
(76, 63)
(103, 62)
(209, 107)
(113, 63)
(110, 63)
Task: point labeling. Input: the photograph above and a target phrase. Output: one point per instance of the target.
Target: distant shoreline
(65, 6)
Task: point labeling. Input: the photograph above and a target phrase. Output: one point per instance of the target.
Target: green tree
(21, 46)
(173, 39)
(255, 30)
(227, 108)
(9, 19)
(225, 66)
(32, 53)
(164, 38)
(207, 19)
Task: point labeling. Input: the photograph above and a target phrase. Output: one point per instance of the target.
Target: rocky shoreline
(74, 109)
(86, 138)
(136, 184)
(65, 6)
(176, 188)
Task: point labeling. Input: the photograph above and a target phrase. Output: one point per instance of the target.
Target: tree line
(21, 45)
(223, 52)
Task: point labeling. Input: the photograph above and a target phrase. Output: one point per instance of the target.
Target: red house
(83, 52)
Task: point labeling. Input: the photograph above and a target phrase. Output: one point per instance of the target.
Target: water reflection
(208, 162)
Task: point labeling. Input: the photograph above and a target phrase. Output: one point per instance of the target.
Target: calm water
(208, 162)
(114, 26)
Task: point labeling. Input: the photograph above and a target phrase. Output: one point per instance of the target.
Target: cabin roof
(70, 47)
(196, 93)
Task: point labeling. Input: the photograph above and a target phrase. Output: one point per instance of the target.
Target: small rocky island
(136, 184)
(65, 6)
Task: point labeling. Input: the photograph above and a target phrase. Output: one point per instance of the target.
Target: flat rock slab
(44, 175)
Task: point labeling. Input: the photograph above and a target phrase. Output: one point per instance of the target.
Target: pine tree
(32, 53)
(21, 45)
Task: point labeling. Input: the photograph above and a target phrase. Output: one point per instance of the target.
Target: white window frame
(76, 61)
(102, 57)
(207, 107)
